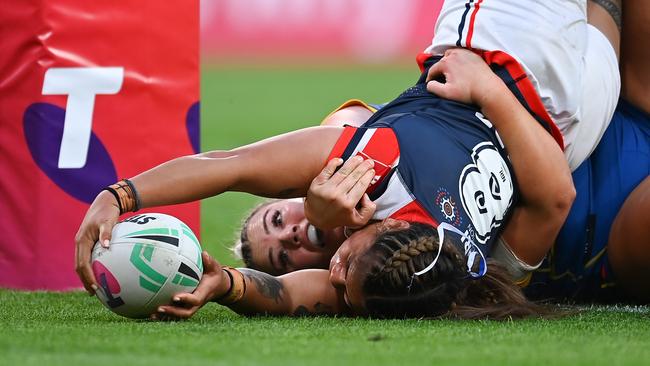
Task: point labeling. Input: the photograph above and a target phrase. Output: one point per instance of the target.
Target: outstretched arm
(281, 166)
(541, 169)
(299, 293)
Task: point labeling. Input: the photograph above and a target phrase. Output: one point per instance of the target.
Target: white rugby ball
(151, 257)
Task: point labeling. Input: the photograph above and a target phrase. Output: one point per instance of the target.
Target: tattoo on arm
(268, 286)
(302, 310)
(613, 7)
(319, 309)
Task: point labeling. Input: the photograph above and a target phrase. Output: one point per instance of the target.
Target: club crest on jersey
(448, 207)
(486, 190)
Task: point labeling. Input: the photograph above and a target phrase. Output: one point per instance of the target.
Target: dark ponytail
(393, 291)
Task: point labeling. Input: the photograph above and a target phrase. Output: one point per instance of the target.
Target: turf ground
(242, 105)
(48, 329)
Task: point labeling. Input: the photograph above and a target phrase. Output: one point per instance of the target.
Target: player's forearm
(264, 294)
(281, 166)
(195, 177)
(299, 293)
(186, 179)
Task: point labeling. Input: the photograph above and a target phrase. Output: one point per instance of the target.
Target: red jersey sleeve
(378, 144)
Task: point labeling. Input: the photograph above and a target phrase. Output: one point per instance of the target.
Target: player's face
(346, 268)
(282, 240)
(349, 266)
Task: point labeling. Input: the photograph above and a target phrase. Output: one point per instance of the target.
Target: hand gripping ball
(150, 258)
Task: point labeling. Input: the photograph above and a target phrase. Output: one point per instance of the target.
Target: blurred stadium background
(272, 66)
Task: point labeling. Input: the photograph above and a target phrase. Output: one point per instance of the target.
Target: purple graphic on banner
(193, 125)
(43, 128)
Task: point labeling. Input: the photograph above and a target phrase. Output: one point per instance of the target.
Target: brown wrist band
(237, 287)
(134, 194)
(116, 195)
(126, 196)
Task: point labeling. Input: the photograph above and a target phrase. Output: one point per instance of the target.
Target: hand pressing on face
(337, 197)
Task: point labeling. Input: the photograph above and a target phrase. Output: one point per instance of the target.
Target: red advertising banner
(90, 92)
(349, 30)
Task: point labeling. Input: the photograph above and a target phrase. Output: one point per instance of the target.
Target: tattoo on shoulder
(613, 7)
(269, 286)
(319, 309)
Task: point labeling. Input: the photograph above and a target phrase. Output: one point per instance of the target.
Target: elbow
(571, 196)
(552, 204)
(559, 205)
(566, 198)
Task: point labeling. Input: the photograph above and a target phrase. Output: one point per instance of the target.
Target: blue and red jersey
(438, 160)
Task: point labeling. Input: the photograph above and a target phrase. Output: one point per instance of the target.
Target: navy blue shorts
(578, 268)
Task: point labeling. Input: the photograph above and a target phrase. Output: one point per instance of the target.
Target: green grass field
(242, 105)
(73, 329)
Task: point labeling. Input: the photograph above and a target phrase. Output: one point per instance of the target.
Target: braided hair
(392, 290)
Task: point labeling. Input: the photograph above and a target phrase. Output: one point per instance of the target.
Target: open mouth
(315, 236)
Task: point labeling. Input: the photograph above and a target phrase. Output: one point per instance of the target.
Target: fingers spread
(346, 169)
(357, 190)
(328, 171)
(353, 178)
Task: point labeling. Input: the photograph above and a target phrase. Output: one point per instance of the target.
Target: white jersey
(572, 66)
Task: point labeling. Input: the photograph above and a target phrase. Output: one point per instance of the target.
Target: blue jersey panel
(577, 267)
